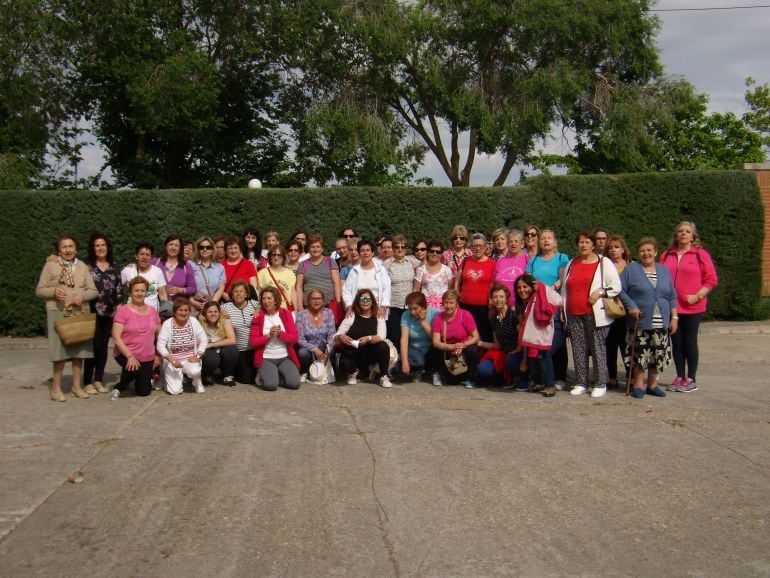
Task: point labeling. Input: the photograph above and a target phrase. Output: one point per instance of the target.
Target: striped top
(241, 320)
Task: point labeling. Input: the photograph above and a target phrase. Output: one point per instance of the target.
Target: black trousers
(684, 344)
(352, 359)
(245, 372)
(142, 377)
(222, 358)
(93, 368)
(471, 358)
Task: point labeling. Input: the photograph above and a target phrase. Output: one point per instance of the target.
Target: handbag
(455, 364)
(613, 306)
(75, 328)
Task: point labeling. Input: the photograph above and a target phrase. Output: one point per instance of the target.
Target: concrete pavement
(413, 481)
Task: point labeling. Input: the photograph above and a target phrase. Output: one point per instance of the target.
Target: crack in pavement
(382, 514)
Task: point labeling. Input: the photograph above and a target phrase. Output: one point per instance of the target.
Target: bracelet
(674, 317)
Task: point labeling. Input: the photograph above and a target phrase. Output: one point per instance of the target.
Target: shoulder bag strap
(289, 304)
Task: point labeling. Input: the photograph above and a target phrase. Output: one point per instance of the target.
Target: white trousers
(173, 376)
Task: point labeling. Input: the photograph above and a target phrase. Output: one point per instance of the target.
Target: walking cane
(629, 377)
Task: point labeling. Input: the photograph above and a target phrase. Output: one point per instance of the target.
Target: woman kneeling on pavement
(501, 361)
(222, 352)
(416, 339)
(273, 337)
(134, 331)
(182, 343)
(649, 296)
(455, 338)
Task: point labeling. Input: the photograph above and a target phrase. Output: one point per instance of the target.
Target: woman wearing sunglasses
(280, 277)
(455, 256)
(361, 340)
(531, 240)
(209, 275)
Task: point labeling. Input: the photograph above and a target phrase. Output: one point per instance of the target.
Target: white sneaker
(115, 395)
(200, 389)
(560, 385)
(578, 390)
(352, 379)
(437, 379)
(303, 378)
(599, 391)
(385, 382)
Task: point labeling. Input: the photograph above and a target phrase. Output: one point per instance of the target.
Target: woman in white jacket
(368, 274)
(182, 343)
(589, 278)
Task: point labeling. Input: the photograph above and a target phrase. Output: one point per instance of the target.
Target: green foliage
(182, 93)
(758, 117)
(660, 126)
(725, 206)
(497, 74)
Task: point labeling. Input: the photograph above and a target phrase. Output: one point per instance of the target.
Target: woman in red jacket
(694, 278)
(273, 337)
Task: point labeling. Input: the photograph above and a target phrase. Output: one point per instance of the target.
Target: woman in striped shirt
(240, 309)
(182, 343)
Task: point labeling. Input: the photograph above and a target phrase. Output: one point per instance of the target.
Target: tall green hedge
(724, 204)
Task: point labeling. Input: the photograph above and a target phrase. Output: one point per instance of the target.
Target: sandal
(549, 391)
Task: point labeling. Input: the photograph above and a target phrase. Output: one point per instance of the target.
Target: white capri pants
(173, 376)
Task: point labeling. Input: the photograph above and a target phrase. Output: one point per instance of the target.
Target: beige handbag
(75, 328)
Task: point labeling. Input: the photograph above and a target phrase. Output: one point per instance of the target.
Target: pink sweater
(693, 271)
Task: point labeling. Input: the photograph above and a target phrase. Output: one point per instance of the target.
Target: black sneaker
(228, 381)
(208, 381)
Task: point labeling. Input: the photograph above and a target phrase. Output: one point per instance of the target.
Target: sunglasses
(458, 238)
(399, 246)
(531, 235)
(274, 255)
(435, 251)
(205, 247)
(348, 236)
(293, 250)
(420, 249)
(364, 299)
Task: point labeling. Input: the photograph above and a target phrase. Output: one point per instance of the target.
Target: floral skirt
(652, 349)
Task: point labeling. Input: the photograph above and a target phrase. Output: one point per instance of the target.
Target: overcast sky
(714, 49)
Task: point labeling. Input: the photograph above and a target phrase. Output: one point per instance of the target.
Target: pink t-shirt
(507, 270)
(138, 332)
(457, 330)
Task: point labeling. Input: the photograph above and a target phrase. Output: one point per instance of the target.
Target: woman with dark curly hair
(106, 275)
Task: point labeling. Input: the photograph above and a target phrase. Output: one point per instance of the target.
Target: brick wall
(762, 170)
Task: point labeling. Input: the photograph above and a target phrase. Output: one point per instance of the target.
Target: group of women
(484, 311)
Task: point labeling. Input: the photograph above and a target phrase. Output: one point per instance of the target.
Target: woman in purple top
(179, 274)
(315, 329)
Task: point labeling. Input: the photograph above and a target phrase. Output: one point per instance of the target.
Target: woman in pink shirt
(454, 334)
(694, 278)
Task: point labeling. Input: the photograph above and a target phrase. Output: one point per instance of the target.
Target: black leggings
(352, 359)
(93, 368)
(471, 358)
(142, 377)
(616, 340)
(685, 345)
(245, 372)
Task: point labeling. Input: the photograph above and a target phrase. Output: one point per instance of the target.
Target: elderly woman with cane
(650, 299)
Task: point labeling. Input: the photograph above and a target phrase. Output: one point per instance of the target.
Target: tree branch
(510, 159)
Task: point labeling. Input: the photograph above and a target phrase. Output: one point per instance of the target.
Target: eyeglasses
(530, 234)
(399, 246)
(348, 236)
(364, 299)
(435, 251)
(279, 255)
(458, 238)
(204, 247)
(478, 247)
(293, 250)
(420, 249)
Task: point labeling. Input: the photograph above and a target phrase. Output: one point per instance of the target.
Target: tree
(181, 93)
(659, 126)
(758, 117)
(494, 75)
(36, 111)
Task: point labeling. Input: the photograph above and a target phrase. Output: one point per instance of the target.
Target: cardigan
(288, 336)
(638, 293)
(49, 283)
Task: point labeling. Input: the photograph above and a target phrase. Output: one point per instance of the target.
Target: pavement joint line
(723, 446)
(382, 514)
